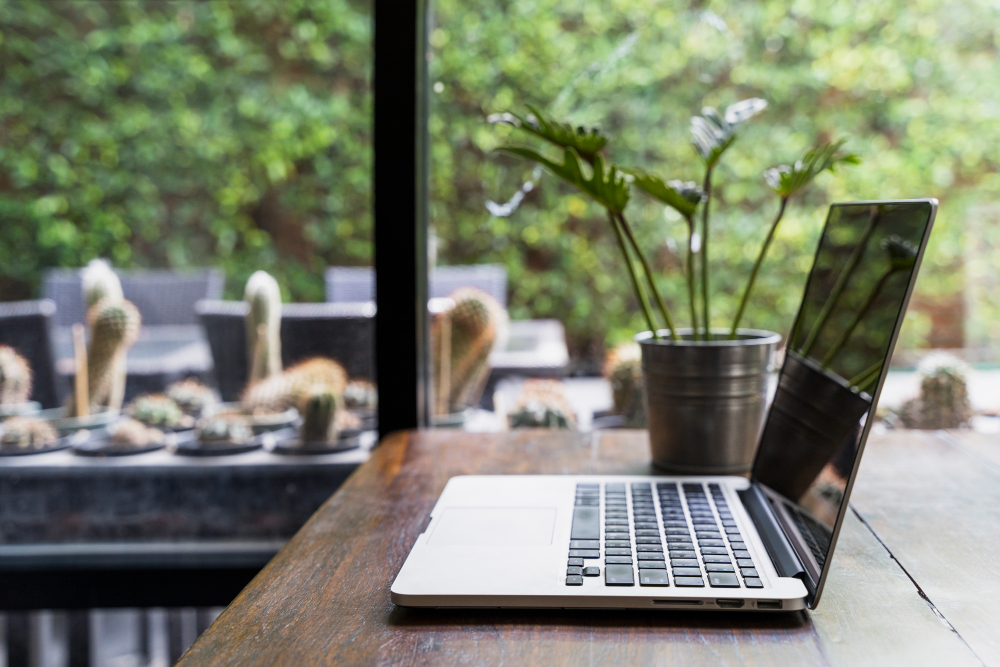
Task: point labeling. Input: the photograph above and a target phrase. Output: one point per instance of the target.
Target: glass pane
(910, 91)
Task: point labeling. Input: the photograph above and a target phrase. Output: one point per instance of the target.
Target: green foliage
(586, 142)
(607, 186)
(788, 180)
(712, 133)
(185, 133)
(682, 197)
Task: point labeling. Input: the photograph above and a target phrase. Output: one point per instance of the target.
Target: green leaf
(683, 197)
(585, 141)
(712, 133)
(606, 185)
(789, 180)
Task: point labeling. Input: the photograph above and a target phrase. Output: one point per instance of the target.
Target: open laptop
(758, 544)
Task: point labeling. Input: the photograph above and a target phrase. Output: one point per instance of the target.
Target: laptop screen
(835, 360)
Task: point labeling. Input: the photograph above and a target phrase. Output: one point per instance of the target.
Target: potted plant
(703, 385)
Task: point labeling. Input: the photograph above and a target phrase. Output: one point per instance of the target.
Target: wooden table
(915, 579)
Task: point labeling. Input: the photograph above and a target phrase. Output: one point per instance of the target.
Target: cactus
(15, 377)
(99, 281)
(225, 428)
(944, 400)
(319, 407)
(133, 433)
(192, 396)
(469, 330)
(157, 410)
(114, 326)
(542, 404)
(263, 326)
(623, 370)
(361, 394)
(27, 433)
(287, 389)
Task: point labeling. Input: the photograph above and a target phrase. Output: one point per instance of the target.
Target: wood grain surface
(934, 499)
(324, 599)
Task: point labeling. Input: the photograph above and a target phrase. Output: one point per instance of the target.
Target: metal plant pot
(705, 400)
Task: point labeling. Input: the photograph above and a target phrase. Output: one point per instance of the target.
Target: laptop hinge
(785, 560)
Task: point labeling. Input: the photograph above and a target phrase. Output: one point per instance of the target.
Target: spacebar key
(586, 524)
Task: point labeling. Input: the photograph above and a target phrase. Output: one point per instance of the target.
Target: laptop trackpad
(494, 526)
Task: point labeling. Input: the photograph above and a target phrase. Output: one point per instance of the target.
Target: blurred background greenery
(238, 134)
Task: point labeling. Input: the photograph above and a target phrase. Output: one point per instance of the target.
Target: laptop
(702, 542)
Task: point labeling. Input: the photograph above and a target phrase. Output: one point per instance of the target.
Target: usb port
(729, 603)
(768, 604)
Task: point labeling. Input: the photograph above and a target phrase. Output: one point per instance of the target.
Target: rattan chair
(353, 284)
(27, 327)
(341, 331)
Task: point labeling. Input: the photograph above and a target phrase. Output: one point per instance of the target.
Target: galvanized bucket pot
(705, 400)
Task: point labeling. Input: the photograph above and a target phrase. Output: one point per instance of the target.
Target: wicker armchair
(341, 331)
(27, 327)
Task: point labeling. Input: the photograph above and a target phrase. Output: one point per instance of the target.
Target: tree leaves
(789, 180)
(587, 142)
(606, 185)
(712, 133)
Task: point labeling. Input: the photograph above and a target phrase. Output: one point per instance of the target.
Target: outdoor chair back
(341, 331)
(357, 283)
(164, 297)
(27, 327)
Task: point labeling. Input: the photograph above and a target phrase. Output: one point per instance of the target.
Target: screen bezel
(816, 588)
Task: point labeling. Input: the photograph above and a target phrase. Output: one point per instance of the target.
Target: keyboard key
(649, 547)
(689, 582)
(578, 562)
(587, 501)
(616, 529)
(748, 572)
(744, 562)
(675, 524)
(741, 554)
(706, 535)
(647, 540)
(738, 546)
(711, 543)
(653, 578)
(617, 544)
(643, 512)
(710, 520)
(616, 522)
(753, 583)
(714, 551)
(723, 580)
(687, 572)
(586, 524)
(584, 544)
(732, 530)
(574, 580)
(716, 559)
(652, 565)
(617, 552)
(592, 571)
(618, 575)
(614, 487)
(649, 555)
(647, 524)
(646, 532)
(679, 538)
(682, 554)
(718, 567)
(570, 571)
(618, 560)
(683, 562)
(584, 553)
(677, 531)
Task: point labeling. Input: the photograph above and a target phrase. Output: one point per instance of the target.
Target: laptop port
(768, 604)
(678, 602)
(729, 603)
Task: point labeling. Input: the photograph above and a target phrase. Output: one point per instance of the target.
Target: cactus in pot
(462, 338)
(623, 370)
(114, 327)
(319, 407)
(27, 433)
(15, 377)
(99, 281)
(263, 326)
(192, 396)
(225, 429)
(287, 389)
(158, 410)
(131, 433)
(542, 404)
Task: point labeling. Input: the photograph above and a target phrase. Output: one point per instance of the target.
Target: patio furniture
(341, 331)
(27, 327)
(352, 284)
(325, 599)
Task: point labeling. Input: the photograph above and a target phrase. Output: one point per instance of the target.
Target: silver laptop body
(669, 542)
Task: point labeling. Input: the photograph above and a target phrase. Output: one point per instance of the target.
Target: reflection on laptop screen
(835, 357)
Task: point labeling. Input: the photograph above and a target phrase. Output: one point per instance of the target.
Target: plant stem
(756, 268)
(831, 301)
(704, 252)
(690, 279)
(636, 285)
(857, 319)
(649, 277)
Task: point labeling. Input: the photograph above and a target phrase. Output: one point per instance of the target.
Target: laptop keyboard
(817, 537)
(688, 537)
